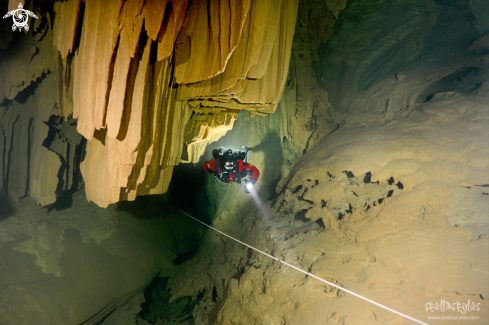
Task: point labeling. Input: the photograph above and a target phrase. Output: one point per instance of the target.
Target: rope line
(310, 274)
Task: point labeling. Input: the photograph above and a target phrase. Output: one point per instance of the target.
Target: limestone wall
(147, 83)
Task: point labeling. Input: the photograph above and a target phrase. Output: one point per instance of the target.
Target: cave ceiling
(133, 88)
(149, 80)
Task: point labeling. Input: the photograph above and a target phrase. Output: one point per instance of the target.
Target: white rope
(310, 274)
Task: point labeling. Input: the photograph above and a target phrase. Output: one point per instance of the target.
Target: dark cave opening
(7, 209)
(187, 191)
(464, 81)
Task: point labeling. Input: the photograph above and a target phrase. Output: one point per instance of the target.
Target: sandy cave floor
(395, 236)
(406, 225)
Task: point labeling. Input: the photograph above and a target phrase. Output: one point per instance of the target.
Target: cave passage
(369, 126)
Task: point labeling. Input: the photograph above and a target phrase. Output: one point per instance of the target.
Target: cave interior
(368, 122)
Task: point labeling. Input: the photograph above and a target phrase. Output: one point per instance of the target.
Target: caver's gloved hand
(249, 185)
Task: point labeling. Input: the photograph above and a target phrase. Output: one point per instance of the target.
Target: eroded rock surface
(192, 68)
(148, 83)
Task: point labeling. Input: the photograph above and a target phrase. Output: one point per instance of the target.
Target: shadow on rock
(187, 189)
(273, 161)
(147, 207)
(6, 208)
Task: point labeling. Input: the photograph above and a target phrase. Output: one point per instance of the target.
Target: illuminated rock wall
(148, 79)
(148, 84)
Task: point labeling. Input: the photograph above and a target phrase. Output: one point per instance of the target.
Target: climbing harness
(310, 274)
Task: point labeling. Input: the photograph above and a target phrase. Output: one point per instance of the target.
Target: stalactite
(93, 68)
(66, 22)
(153, 78)
(131, 24)
(256, 71)
(211, 34)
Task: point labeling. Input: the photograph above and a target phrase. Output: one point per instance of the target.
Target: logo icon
(20, 17)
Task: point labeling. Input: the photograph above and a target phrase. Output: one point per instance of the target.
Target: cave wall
(304, 115)
(223, 61)
(39, 152)
(351, 61)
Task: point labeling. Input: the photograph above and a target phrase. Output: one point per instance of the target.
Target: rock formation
(146, 81)
(40, 152)
(193, 64)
